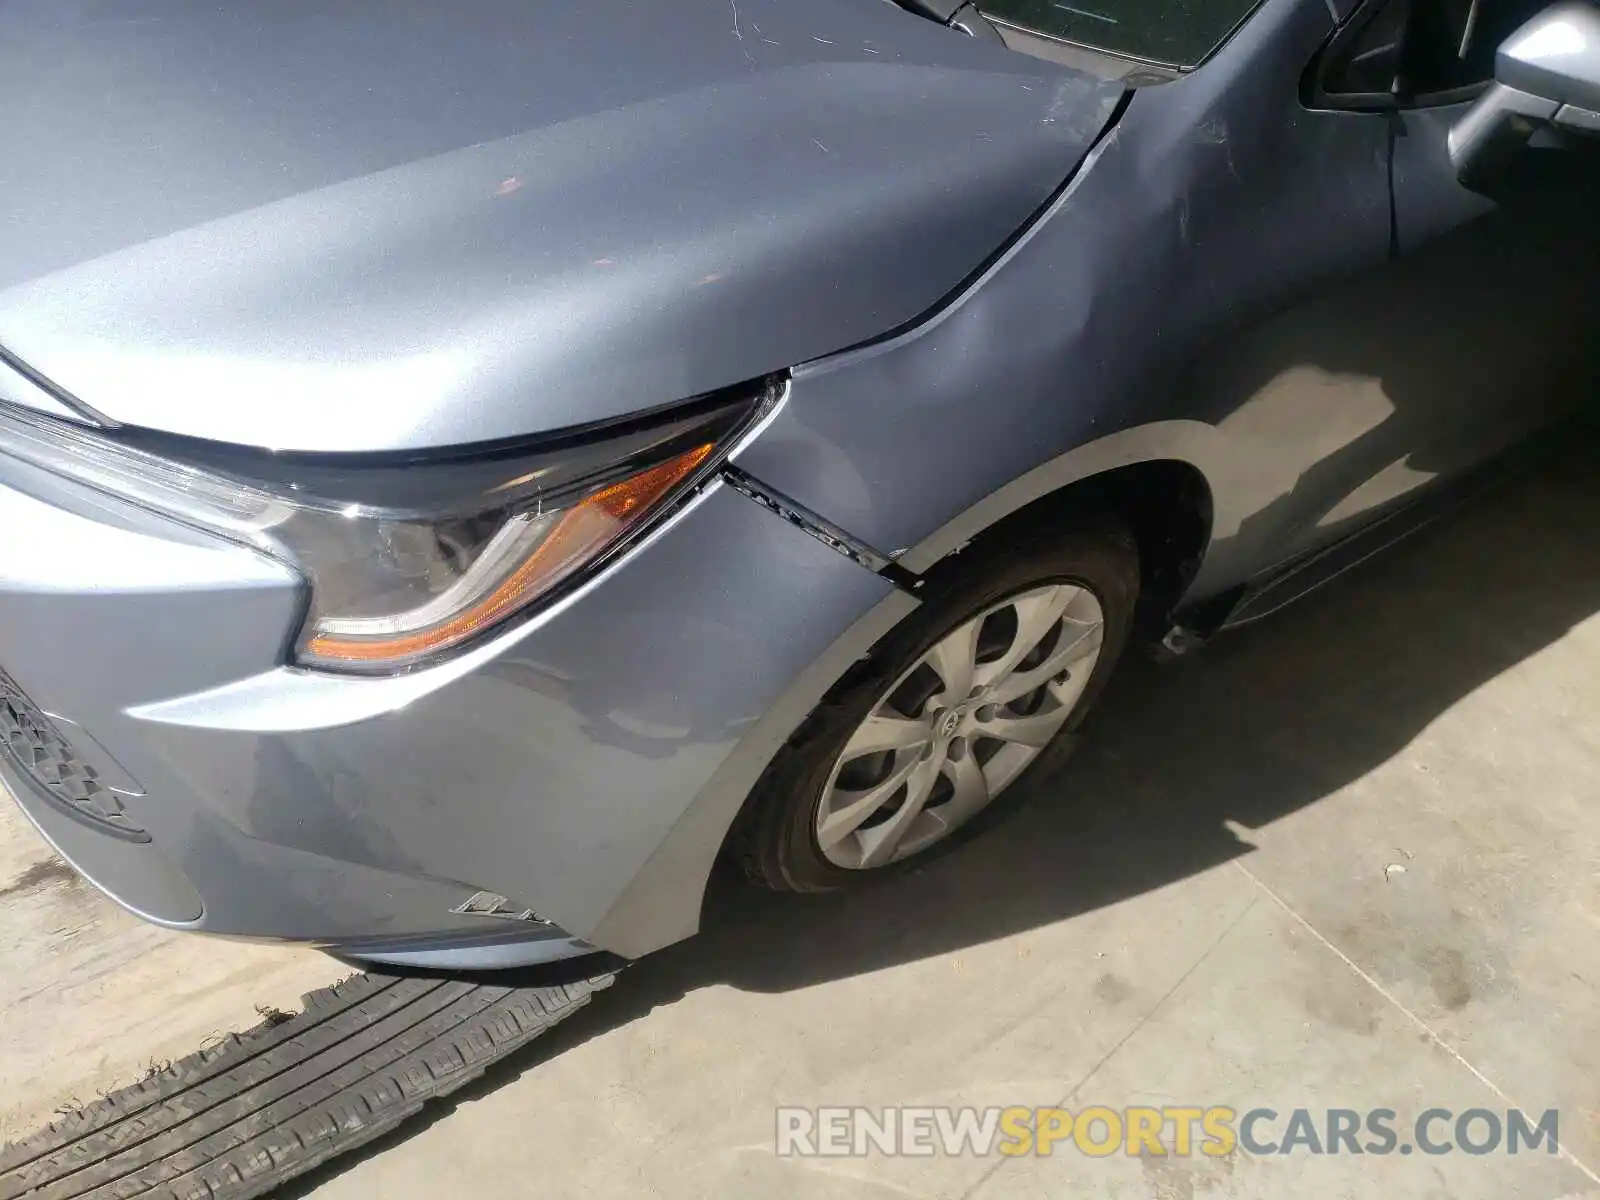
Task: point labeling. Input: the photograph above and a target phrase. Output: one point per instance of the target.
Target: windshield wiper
(961, 15)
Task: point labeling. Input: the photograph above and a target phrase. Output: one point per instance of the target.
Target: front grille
(32, 742)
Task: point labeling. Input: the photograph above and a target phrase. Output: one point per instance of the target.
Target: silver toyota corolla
(465, 467)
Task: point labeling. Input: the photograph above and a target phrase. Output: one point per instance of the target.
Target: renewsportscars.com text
(1180, 1130)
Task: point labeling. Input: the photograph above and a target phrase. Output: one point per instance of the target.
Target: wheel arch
(1162, 481)
(1165, 503)
(1131, 472)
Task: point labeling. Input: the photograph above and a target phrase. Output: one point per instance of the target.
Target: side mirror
(1547, 74)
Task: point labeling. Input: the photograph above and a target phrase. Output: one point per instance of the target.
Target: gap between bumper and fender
(824, 530)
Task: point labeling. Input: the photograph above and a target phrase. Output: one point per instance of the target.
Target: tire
(237, 1120)
(776, 842)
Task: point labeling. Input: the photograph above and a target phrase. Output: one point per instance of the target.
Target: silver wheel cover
(958, 726)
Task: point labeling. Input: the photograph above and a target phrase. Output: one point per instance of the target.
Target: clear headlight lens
(431, 586)
(408, 559)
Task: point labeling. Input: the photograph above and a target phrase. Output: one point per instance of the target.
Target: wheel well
(1166, 505)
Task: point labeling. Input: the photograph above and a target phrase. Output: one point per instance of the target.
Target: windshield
(1177, 33)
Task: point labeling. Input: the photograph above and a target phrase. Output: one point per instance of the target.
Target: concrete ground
(92, 998)
(1346, 858)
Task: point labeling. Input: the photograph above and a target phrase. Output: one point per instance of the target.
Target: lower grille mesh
(30, 741)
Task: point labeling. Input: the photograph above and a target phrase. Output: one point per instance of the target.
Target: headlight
(410, 558)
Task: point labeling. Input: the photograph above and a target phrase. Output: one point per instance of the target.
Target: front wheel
(985, 683)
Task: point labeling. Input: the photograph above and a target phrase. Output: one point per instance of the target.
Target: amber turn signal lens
(582, 532)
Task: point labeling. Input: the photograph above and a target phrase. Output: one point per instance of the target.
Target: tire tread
(233, 1121)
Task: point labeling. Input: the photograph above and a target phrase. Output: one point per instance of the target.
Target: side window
(1173, 33)
(1447, 47)
(1367, 64)
(1418, 51)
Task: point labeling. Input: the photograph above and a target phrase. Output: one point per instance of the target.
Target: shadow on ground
(1267, 720)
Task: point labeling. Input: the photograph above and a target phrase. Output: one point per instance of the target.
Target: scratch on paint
(738, 33)
(820, 146)
(1216, 132)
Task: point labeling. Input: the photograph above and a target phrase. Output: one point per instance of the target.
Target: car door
(1285, 239)
(1385, 381)
(1514, 280)
(1483, 326)
(1476, 330)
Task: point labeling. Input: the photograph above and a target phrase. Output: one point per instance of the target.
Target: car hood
(323, 226)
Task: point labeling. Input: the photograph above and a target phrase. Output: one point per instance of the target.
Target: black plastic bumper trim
(824, 530)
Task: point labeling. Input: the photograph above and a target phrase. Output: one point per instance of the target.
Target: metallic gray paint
(376, 227)
(1221, 284)
(466, 955)
(662, 902)
(329, 809)
(1214, 198)
(139, 876)
(384, 232)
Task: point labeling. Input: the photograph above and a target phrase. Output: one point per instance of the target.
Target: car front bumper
(559, 789)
